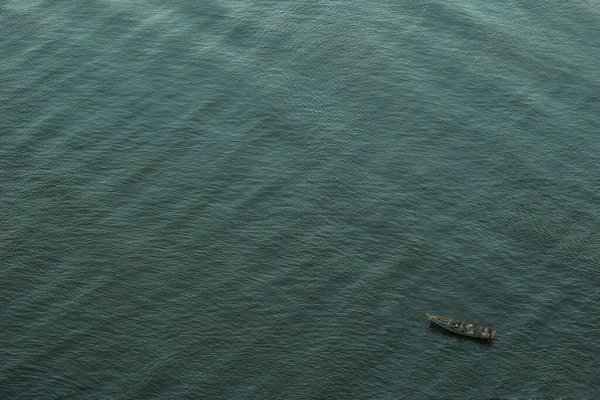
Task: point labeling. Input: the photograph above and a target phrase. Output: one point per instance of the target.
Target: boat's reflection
(444, 332)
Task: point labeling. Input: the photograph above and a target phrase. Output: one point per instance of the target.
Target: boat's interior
(462, 327)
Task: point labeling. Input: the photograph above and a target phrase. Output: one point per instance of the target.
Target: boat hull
(462, 327)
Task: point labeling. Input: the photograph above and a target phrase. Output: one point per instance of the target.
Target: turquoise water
(261, 200)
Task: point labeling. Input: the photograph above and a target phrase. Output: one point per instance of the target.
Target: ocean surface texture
(249, 199)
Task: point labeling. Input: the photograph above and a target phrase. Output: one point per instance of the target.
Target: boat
(462, 327)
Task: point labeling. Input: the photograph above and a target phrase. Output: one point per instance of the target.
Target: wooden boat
(463, 327)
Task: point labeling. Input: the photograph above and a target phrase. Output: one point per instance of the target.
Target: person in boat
(470, 330)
